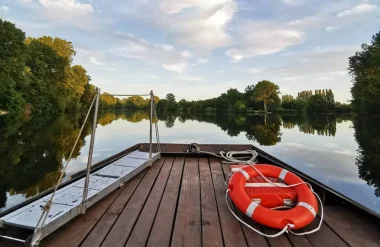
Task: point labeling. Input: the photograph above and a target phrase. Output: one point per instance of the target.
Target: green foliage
(343, 108)
(37, 73)
(316, 103)
(321, 102)
(300, 104)
(287, 102)
(108, 101)
(240, 107)
(168, 104)
(12, 66)
(364, 68)
(267, 93)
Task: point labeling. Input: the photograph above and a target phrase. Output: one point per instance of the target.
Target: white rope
(320, 222)
(285, 229)
(252, 155)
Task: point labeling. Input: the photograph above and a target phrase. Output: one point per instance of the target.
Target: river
(340, 151)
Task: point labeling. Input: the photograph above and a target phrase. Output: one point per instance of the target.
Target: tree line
(264, 96)
(38, 74)
(108, 101)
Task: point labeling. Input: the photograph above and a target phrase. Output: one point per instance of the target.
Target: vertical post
(90, 151)
(151, 127)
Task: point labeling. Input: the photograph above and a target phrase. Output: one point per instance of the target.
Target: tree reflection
(324, 125)
(33, 150)
(367, 134)
(264, 129)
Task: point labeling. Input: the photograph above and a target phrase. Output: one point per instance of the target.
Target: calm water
(339, 151)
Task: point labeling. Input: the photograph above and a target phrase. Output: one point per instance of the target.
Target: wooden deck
(180, 201)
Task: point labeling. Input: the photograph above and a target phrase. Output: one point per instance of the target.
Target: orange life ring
(300, 216)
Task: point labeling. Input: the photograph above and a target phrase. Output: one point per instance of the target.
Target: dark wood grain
(355, 230)
(231, 229)
(99, 233)
(211, 231)
(324, 237)
(187, 227)
(163, 223)
(144, 223)
(122, 228)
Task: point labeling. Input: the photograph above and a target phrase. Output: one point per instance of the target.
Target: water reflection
(33, 150)
(367, 134)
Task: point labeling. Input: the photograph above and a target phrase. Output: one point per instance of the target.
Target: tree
(12, 66)
(330, 100)
(316, 103)
(240, 107)
(171, 104)
(266, 92)
(364, 68)
(233, 96)
(287, 101)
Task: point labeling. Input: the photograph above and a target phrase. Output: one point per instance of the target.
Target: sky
(198, 49)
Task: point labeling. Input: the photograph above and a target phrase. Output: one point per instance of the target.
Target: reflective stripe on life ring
(300, 216)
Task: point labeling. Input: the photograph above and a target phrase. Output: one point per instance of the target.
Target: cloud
(293, 2)
(154, 77)
(339, 72)
(4, 8)
(202, 60)
(175, 6)
(67, 5)
(164, 54)
(186, 54)
(357, 10)
(197, 24)
(291, 78)
(192, 79)
(94, 61)
(180, 68)
(70, 12)
(332, 28)
(262, 38)
(253, 71)
(324, 78)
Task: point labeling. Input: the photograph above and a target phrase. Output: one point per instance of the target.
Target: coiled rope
(248, 157)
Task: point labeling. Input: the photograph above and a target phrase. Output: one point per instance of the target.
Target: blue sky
(198, 49)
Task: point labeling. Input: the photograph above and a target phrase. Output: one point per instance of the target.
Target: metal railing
(39, 234)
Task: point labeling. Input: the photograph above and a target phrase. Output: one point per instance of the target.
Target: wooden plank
(231, 229)
(324, 237)
(356, 231)
(211, 230)
(72, 235)
(121, 230)
(187, 229)
(252, 238)
(164, 221)
(144, 223)
(99, 233)
(299, 241)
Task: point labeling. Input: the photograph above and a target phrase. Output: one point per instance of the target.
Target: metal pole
(91, 149)
(151, 127)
